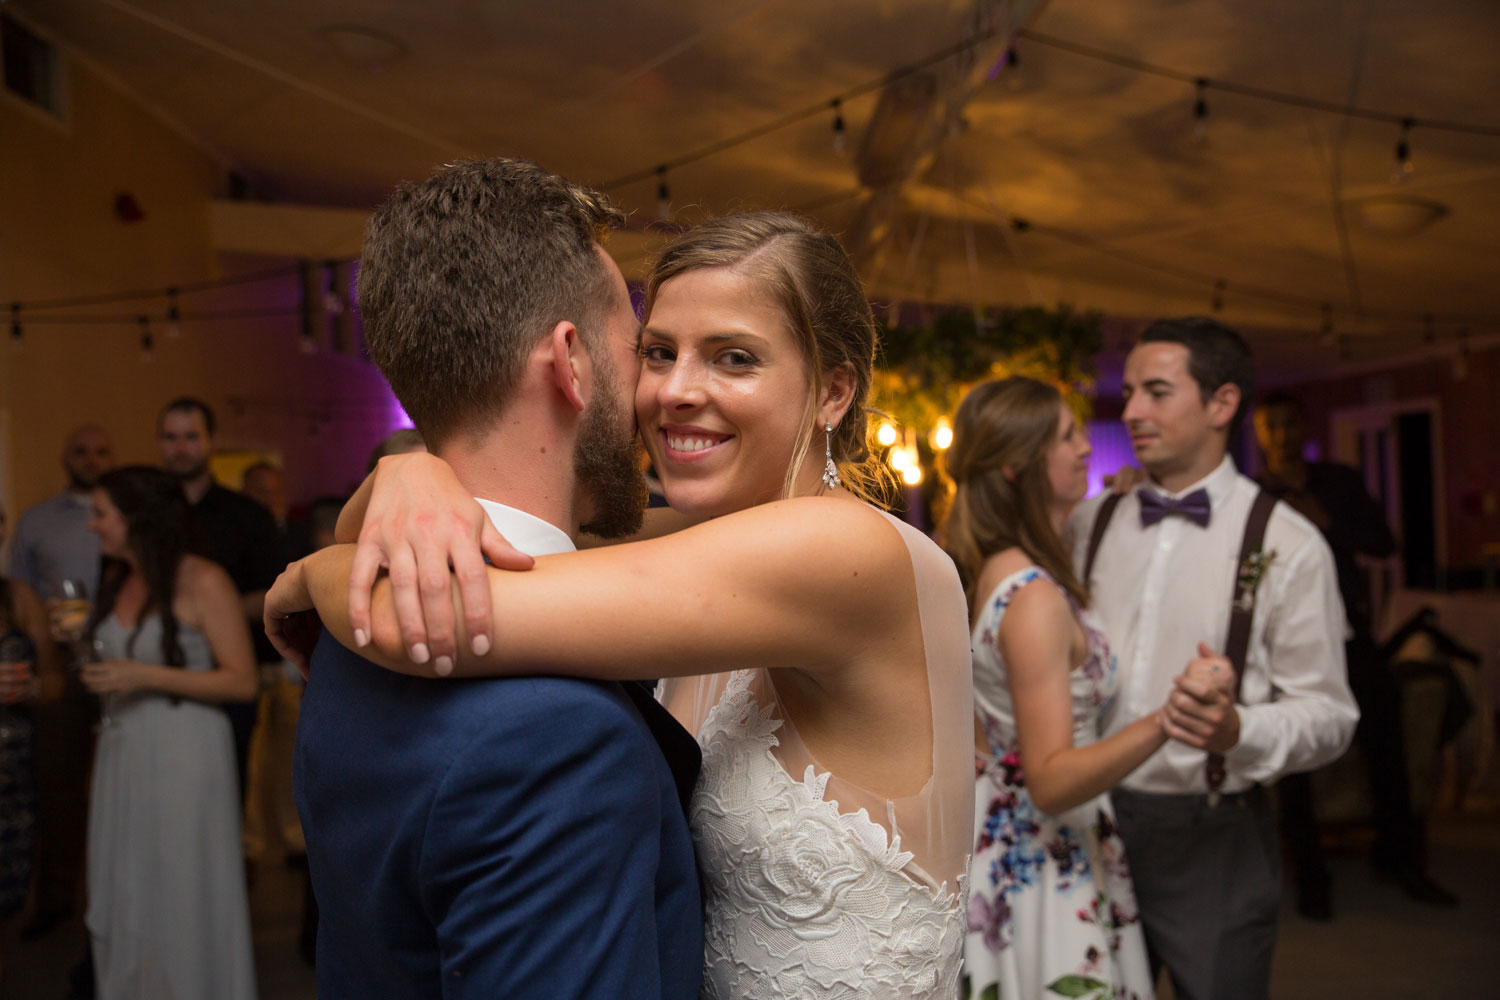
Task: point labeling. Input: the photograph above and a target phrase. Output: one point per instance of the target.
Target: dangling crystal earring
(830, 471)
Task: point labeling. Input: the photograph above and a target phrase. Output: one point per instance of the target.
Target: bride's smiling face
(723, 395)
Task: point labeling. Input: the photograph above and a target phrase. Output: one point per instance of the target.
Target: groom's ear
(567, 360)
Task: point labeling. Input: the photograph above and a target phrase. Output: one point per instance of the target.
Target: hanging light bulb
(663, 194)
(174, 315)
(912, 474)
(941, 437)
(899, 459)
(1403, 153)
(886, 434)
(333, 301)
(146, 342)
(1012, 68)
(840, 132)
(17, 336)
(1200, 112)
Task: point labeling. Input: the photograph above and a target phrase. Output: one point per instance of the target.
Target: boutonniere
(1252, 571)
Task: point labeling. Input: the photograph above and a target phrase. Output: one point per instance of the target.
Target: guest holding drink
(167, 914)
(30, 673)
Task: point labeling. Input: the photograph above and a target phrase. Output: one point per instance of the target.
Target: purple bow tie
(1194, 507)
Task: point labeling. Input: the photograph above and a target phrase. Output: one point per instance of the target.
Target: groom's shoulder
(344, 682)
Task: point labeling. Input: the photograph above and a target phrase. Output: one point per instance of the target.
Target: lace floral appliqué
(801, 899)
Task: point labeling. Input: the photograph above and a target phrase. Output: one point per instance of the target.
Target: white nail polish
(360, 639)
(420, 653)
(480, 644)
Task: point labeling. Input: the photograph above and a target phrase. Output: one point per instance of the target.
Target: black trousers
(1381, 747)
(1208, 882)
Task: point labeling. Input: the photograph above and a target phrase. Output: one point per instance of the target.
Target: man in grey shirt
(52, 541)
(53, 544)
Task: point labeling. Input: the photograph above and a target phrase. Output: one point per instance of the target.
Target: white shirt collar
(528, 533)
(1218, 483)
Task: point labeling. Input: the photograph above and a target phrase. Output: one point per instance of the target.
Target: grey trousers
(1208, 882)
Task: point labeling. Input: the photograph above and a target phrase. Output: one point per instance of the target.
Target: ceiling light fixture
(368, 49)
(1398, 215)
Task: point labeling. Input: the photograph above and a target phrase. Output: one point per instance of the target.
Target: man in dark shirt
(231, 529)
(1333, 497)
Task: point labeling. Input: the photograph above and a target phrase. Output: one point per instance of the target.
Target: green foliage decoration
(923, 370)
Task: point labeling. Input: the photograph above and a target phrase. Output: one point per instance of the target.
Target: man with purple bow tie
(1192, 562)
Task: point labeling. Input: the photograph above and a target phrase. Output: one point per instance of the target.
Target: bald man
(52, 540)
(52, 544)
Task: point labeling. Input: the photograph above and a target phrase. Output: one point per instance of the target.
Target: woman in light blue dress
(168, 917)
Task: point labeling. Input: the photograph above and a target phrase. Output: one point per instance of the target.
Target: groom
(519, 837)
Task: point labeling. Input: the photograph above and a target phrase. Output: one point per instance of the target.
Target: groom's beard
(607, 461)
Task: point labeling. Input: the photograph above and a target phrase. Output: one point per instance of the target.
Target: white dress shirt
(1161, 590)
(526, 532)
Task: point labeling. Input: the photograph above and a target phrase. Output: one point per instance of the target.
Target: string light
(912, 474)
(1012, 67)
(1200, 112)
(663, 194)
(174, 315)
(840, 131)
(886, 434)
(146, 341)
(1403, 152)
(941, 437)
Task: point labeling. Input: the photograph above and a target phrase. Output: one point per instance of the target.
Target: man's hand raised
(1201, 711)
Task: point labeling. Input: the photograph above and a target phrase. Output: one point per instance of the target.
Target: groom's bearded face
(607, 457)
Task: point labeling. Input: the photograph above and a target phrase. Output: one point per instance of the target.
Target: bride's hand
(290, 620)
(420, 522)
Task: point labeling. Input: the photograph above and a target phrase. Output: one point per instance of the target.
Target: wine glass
(68, 611)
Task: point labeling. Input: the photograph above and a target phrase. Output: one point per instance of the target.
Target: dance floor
(1379, 947)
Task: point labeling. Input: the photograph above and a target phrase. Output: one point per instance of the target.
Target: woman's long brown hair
(1002, 497)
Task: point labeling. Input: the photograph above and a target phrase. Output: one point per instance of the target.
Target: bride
(816, 646)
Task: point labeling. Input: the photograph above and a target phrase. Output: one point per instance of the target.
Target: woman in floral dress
(1051, 910)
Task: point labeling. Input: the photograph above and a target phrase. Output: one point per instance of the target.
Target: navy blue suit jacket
(508, 838)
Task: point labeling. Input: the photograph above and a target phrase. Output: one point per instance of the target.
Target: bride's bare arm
(1035, 639)
(812, 583)
(412, 517)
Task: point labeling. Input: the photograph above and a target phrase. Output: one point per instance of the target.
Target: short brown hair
(462, 273)
(1217, 356)
(810, 278)
(1001, 425)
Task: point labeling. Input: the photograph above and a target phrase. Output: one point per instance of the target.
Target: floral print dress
(1051, 908)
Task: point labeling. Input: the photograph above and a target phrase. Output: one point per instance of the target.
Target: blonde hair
(808, 276)
(1002, 496)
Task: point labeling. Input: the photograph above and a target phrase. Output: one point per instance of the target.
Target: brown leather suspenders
(1106, 511)
(1248, 572)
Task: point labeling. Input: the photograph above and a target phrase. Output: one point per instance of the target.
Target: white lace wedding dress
(814, 887)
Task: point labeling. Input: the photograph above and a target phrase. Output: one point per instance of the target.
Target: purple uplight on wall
(1112, 451)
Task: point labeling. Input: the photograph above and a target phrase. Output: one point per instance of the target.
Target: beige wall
(59, 238)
